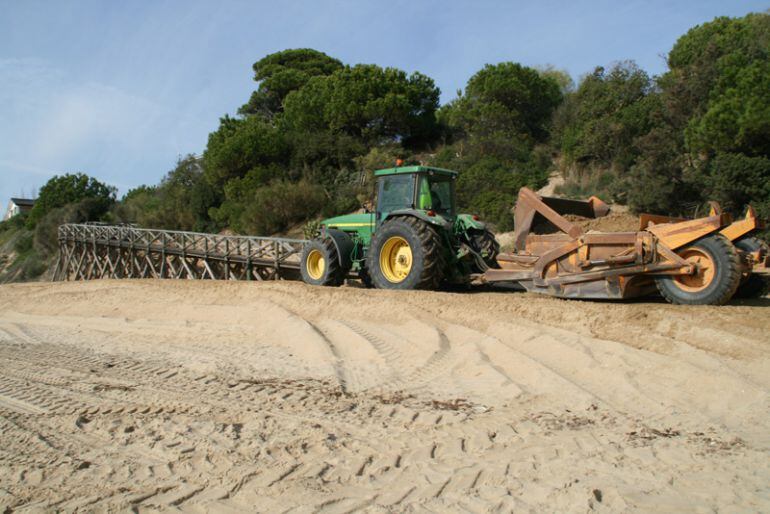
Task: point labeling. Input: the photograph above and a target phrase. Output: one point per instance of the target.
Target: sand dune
(215, 396)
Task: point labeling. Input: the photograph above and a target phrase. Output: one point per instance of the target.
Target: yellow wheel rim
(703, 277)
(396, 259)
(315, 264)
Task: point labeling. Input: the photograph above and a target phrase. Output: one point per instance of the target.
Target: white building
(17, 206)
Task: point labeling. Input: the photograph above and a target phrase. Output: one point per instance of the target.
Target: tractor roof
(414, 169)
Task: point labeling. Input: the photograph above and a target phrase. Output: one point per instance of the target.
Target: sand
(272, 397)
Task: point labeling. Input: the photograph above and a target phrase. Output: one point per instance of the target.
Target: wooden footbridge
(91, 251)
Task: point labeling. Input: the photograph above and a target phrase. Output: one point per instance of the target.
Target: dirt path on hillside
(214, 396)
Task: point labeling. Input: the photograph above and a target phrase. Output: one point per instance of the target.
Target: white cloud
(51, 123)
(91, 114)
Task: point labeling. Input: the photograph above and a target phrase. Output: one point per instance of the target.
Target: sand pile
(618, 220)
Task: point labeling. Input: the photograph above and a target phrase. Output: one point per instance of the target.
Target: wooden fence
(91, 251)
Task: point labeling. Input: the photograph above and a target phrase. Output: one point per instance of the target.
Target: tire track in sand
(418, 377)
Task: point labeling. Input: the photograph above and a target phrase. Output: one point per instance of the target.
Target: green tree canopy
(372, 104)
(240, 145)
(319, 117)
(700, 131)
(281, 73)
(711, 133)
(505, 98)
(62, 190)
(495, 127)
(367, 102)
(719, 81)
(332, 120)
(561, 77)
(599, 122)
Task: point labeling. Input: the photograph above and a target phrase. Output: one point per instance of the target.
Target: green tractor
(413, 239)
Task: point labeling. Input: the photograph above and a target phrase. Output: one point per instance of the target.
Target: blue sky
(120, 90)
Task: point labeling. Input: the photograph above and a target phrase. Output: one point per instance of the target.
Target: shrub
(311, 229)
(735, 180)
(273, 208)
(23, 242)
(45, 235)
(32, 267)
(489, 189)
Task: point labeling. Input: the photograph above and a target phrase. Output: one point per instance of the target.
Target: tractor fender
(466, 222)
(344, 245)
(436, 221)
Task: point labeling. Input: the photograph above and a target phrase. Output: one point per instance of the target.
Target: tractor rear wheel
(320, 264)
(405, 253)
(717, 276)
(486, 245)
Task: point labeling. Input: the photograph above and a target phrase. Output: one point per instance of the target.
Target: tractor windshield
(436, 194)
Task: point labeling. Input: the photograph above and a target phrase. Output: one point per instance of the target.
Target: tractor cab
(431, 191)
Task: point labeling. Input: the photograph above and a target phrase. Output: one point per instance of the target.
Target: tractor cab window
(436, 194)
(395, 192)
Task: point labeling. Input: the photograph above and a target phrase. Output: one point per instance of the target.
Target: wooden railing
(89, 251)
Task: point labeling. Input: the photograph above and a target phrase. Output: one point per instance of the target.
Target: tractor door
(394, 192)
(437, 193)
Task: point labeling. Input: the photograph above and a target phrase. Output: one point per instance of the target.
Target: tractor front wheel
(320, 264)
(405, 253)
(717, 274)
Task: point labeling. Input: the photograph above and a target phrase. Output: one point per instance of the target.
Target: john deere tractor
(412, 237)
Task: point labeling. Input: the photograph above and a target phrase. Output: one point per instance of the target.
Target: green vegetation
(281, 73)
(700, 131)
(496, 131)
(596, 126)
(29, 241)
(306, 142)
(68, 189)
(180, 202)
(315, 129)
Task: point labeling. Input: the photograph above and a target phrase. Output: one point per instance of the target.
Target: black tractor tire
(427, 250)
(485, 244)
(329, 273)
(753, 285)
(366, 279)
(718, 283)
